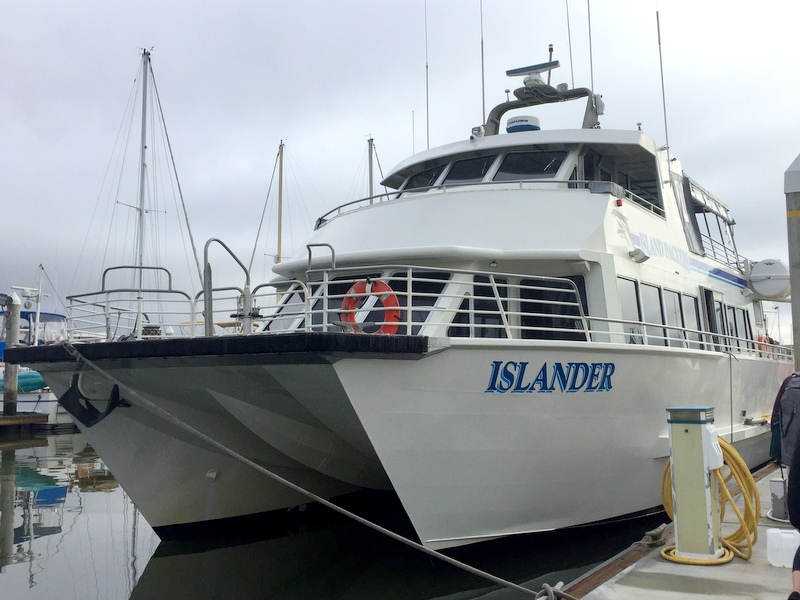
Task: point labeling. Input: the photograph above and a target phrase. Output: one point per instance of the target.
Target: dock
(20, 426)
(641, 572)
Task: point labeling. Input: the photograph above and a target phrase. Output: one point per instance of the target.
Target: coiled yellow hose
(740, 543)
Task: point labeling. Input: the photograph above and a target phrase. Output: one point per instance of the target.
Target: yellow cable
(740, 542)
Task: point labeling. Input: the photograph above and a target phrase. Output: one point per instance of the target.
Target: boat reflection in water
(321, 554)
(68, 530)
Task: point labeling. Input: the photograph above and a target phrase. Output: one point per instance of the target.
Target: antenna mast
(427, 93)
(483, 73)
(591, 59)
(569, 38)
(280, 201)
(370, 149)
(663, 93)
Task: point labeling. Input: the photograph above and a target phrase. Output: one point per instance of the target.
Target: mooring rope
(550, 593)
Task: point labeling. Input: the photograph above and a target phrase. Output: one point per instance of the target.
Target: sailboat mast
(142, 167)
(280, 201)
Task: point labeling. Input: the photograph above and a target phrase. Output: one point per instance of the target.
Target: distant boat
(33, 393)
(497, 340)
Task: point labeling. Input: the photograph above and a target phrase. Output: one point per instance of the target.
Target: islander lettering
(572, 377)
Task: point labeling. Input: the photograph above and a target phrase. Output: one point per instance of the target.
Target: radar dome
(521, 123)
(770, 279)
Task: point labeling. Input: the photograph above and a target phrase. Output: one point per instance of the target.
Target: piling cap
(791, 179)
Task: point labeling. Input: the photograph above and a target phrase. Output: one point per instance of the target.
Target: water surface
(75, 534)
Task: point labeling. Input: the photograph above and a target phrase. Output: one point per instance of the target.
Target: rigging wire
(380, 168)
(177, 180)
(263, 212)
(106, 176)
(54, 288)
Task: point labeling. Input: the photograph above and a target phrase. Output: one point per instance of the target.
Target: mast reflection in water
(69, 531)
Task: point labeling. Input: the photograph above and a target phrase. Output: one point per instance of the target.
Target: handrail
(433, 302)
(247, 302)
(136, 267)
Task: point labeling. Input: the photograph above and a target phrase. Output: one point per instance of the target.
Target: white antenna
(591, 60)
(427, 94)
(413, 134)
(569, 38)
(483, 73)
(663, 93)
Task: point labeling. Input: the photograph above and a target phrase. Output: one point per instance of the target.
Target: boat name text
(518, 378)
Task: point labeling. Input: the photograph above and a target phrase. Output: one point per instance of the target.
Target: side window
(425, 289)
(673, 317)
(538, 164)
(743, 330)
(478, 316)
(691, 313)
(732, 329)
(470, 170)
(424, 179)
(629, 310)
(551, 310)
(284, 315)
(651, 312)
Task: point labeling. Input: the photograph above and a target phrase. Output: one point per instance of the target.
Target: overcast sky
(235, 78)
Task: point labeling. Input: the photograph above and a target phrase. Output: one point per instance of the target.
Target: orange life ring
(359, 293)
(762, 344)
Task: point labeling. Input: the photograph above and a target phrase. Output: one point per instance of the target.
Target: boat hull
(470, 462)
(476, 445)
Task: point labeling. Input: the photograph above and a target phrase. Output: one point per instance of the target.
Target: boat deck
(651, 576)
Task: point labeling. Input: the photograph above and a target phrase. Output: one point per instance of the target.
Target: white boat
(497, 340)
(33, 393)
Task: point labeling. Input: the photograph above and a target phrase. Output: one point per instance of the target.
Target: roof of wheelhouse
(618, 143)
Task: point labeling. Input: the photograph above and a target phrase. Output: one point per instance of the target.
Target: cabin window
(732, 331)
(716, 319)
(478, 316)
(651, 313)
(536, 164)
(712, 223)
(470, 170)
(673, 318)
(743, 326)
(426, 288)
(286, 313)
(691, 312)
(551, 310)
(631, 167)
(629, 310)
(424, 179)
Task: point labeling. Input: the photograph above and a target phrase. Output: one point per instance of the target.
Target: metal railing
(421, 301)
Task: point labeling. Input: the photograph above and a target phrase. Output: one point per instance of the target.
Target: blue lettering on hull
(517, 378)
